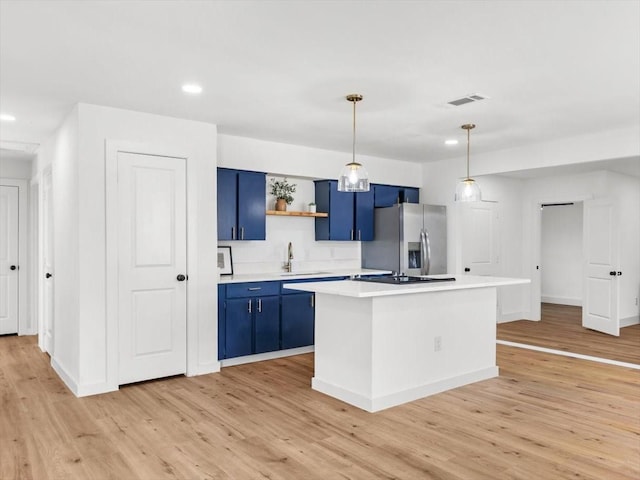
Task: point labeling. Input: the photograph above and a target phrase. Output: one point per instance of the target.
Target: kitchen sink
(299, 274)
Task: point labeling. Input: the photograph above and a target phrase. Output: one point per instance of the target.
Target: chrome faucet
(287, 265)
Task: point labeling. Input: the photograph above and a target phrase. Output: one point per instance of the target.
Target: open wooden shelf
(297, 214)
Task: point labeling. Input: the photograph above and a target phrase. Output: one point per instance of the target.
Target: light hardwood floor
(546, 417)
(560, 328)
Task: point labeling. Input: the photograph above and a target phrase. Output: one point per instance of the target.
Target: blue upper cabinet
(350, 214)
(363, 225)
(409, 195)
(389, 195)
(386, 195)
(241, 205)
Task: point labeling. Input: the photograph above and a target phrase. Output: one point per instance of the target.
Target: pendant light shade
(468, 190)
(353, 177)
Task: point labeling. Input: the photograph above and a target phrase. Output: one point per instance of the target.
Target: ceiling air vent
(475, 97)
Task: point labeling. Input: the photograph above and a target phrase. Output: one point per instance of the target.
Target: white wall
(300, 165)
(84, 341)
(14, 168)
(60, 152)
(562, 254)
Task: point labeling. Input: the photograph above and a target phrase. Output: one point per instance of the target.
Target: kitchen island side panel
(343, 344)
(426, 338)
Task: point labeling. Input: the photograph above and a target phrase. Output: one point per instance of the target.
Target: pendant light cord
(353, 147)
(468, 149)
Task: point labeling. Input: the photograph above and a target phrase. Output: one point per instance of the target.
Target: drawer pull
(253, 289)
(259, 305)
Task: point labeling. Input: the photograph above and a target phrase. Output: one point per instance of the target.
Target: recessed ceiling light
(5, 117)
(451, 142)
(192, 88)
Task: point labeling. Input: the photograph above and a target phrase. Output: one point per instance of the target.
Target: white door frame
(34, 253)
(111, 191)
(536, 249)
(25, 324)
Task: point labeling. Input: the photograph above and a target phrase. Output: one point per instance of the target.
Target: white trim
(629, 321)
(25, 325)
(569, 354)
(511, 317)
(536, 247)
(259, 357)
(408, 395)
(575, 302)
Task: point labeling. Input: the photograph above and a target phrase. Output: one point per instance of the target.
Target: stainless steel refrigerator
(409, 239)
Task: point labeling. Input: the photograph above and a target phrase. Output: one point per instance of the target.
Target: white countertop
(349, 288)
(276, 276)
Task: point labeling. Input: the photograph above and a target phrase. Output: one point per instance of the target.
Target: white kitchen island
(379, 345)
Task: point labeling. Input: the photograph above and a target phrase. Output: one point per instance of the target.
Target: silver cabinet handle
(241, 233)
(253, 289)
(313, 301)
(233, 233)
(249, 306)
(351, 234)
(259, 305)
(359, 235)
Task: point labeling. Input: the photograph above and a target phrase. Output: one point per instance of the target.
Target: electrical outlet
(437, 344)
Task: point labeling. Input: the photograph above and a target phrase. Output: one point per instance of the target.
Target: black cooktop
(402, 279)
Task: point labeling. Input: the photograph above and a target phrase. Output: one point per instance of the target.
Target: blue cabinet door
(340, 206)
(222, 327)
(386, 195)
(267, 324)
(239, 327)
(410, 195)
(227, 204)
(251, 206)
(364, 216)
(298, 315)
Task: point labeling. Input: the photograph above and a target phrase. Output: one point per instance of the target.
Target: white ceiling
(279, 70)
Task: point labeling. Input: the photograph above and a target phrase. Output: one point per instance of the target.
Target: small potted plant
(312, 207)
(282, 190)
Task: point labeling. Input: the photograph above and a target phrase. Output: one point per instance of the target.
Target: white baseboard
(259, 357)
(203, 369)
(511, 317)
(398, 398)
(77, 389)
(627, 322)
(576, 302)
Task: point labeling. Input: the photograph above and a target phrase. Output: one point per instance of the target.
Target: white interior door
(152, 263)
(479, 240)
(600, 298)
(47, 285)
(9, 270)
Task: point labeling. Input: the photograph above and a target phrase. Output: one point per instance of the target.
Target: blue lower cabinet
(266, 324)
(238, 327)
(298, 314)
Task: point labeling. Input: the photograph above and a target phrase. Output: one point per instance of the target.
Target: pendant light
(354, 177)
(468, 190)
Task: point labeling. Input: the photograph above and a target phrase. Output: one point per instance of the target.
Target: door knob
(13, 267)
(613, 274)
(181, 278)
(467, 269)
(47, 275)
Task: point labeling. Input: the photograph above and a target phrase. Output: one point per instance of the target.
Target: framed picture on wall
(225, 263)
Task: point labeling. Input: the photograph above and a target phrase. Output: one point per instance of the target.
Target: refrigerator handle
(425, 252)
